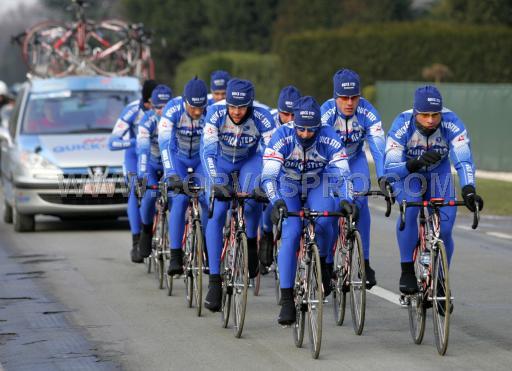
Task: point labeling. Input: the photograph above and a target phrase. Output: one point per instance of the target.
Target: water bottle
(425, 258)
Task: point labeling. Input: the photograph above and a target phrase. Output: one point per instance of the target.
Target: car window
(74, 112)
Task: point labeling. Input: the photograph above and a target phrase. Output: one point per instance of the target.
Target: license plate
(99, 188)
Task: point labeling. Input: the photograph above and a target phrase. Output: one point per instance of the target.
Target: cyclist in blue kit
(123, 137)
(283, 115)
(356, 120)
(233, 129)
(218, 85)
(299, 166)
(419, 147)
(149, 164)
(179, 135)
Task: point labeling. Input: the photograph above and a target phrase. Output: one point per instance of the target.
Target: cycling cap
(147, 89)
(239, 93)
(427, 99)
(306, 112)
(161, 95)
(195, 93)
(346, 83)
(287, 98)
(219, 80)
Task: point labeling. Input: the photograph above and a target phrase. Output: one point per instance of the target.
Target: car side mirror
(5, 135)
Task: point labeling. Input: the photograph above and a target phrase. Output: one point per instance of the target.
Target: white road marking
(464, 227)
(499, 235)
(385, 294)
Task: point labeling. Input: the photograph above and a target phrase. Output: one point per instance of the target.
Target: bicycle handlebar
(436, 203)
(375, 192)
(233, 196)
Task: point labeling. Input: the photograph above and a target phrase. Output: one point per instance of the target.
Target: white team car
(55, 156)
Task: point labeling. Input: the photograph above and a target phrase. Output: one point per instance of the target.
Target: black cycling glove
(386, 188)
(279, 205)
(471, 198)
(174, 183)
(348, 208)
(427, 158)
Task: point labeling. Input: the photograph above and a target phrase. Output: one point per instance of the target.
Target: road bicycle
(308, 289)
(431, 269)
(234, 260)
(349, 268)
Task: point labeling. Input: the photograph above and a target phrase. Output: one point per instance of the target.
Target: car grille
(85, 199)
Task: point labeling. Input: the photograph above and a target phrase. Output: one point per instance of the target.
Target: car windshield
(74, 112)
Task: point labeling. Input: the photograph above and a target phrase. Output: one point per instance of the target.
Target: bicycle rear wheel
(339, 294)
(357, 284)
(300, 282)
(241, 284)
(198, 266)
(441, 298)
(315, 302)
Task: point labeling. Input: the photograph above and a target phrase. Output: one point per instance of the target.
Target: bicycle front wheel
(416, 305)
(357, 284)
(340, 293)
(198, 266)
(241, 284)
(441, 298)
(315, 302)
(227, 289)
(277, 281)
(300, 308)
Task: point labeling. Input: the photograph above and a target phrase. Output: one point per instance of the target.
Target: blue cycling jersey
(178, 134)
(405, 142)
(229, 141)
(364, 124)
(147, 142)
(125, 129)
(285, 156)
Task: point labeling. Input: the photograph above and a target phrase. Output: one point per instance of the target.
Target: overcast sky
(13, 4)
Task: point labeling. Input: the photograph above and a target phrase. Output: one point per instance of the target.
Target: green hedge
(395, 51)
(262, 69)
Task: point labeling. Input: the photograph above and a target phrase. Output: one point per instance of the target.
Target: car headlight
(38, 166)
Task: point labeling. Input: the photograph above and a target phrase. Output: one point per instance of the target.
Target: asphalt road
(90, 308)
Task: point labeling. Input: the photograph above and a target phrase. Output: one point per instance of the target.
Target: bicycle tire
(198, 267)
(315, 300)
(357, 284)
(37, 59)
(111, 51)
(241, 284)
(440, 276)
(161, 251)
(226, 293)
(416, 306)
(417, 316)
(277, 280)
(170, 283)
(300, 321)
(339, 295)
(188, 258)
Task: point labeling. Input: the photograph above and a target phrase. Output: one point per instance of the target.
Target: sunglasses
(302, 129)
(159, 106)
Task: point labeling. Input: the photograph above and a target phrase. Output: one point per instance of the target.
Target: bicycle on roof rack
(110, 47)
